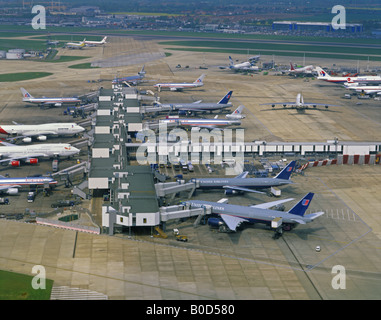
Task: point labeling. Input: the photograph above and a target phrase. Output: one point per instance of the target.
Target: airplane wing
(232, 222)
(278, 103)
(268, 205)
(318, 104)
(299, 221)
(242, 189)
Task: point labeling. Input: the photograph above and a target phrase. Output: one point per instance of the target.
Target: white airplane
(44, 101)
(76, 45)
(244, 66)
(366, 89)
(88, 42)
(11, 185)
(236, 114)
(13, 155)
(304, 70)
(40, 131)
(181, 86)
(323, 75)
(298, 104)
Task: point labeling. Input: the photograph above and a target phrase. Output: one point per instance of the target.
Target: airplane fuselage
(42, 129)
(46, 150)
(26, 181)
(213, 123)
(253, 215)
(255, 183)
(68, 100)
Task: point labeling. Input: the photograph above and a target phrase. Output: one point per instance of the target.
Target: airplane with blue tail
(232, 216)
(131, 79)
(241, 184)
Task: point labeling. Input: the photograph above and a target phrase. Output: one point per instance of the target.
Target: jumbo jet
(241, 184)
(303, 70)
(197, 106)
(26, 133)
(76, 45)
(244, 66)
(200, 123)
(88, 42)
(14, 155)
(181, 86)
(232, 216)
(131, 79)
(298, 104)
(44, 101)
(11, 185)
(323, 75)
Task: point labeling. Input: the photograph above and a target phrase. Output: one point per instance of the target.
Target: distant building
(314, 27)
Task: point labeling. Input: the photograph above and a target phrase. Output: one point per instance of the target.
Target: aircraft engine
(273, 105)
(27, 139)
(229, 191)
(173, 89)
(182, 113)
(41, 138)
(326, 107)
(13, 191)
(32, 160)
(15, 163)
(58, 104)
(215, 222)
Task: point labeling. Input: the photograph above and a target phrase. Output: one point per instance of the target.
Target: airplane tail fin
(322, 73)
(292, 67)
(25, 93)
(104, 39)
(231, 60)
(301, 207)
(286, 172)
(142, 72)
(200, 79)
(238, 111)
(226, 98)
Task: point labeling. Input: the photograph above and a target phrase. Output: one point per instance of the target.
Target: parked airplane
(39, 131)
(11, 185)
(244, 66)
(304, 70)
(181, 86)
(75, 45)
(242, 184)
(299, 104)
(236, 114)
(200, 123)
(13, 154)
(366, 89)
(52, 42)
(323, 75)
(44, 101)
(88, 42)
(232, 216)
(131, 79)
(197, 106)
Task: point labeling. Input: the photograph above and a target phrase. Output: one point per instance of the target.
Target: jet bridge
(181, 211)
(171, 188)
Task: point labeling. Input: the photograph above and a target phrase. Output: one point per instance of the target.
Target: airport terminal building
(294, 26)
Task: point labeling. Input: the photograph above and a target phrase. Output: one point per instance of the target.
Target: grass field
(22, 44)
(86, 65)
(16, 286)
(12, 77)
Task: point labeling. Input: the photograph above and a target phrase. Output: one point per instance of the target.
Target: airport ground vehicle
(4, 201)
(31, 196)
(65, 203)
